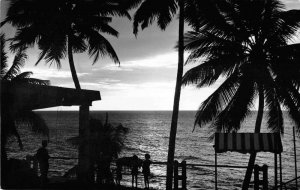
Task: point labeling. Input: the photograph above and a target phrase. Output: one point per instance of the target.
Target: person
(119, 173)
(43, 160)
(134, 169)
(146, 170)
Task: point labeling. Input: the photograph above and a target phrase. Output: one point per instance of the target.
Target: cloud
(167, 60)
(49, 73)
(113, 68)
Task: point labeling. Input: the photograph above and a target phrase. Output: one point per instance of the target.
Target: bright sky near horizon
(145, 80)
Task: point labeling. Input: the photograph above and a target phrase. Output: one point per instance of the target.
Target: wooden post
(84, 165)
(257, 181)
(216, 172)
(183, 165)
(35, 166)
(275, 169)
(295, 156)
(256, 177)
(280, 169)
(176, 175)
(265, 177)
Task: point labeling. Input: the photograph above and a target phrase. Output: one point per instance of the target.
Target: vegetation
(105, 139)
(63, 27)
(246, 45)
(12, 119)
(105, 143)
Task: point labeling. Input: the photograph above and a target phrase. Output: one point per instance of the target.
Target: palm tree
(63, 27)
(245, 44)
(12, 118)
(106, 142)
(164, 11)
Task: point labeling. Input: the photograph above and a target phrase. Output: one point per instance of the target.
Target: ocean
(149, 133)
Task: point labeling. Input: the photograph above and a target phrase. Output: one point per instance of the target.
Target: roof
(30, 97)
(248, 142)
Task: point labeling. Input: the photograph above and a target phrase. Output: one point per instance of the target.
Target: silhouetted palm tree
(64, 27)
(10, 119)
(246, 44)
(105, 142)
(164, 11)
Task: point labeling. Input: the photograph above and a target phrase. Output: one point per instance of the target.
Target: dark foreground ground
(17, 174)
(76, 185)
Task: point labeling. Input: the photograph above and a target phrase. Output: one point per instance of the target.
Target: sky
(145, 79)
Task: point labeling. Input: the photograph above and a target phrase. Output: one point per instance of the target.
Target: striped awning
(248, 142)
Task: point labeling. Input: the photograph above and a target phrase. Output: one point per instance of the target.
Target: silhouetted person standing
(119, 173)
(134, 169)
(146, 170)
(43, 157)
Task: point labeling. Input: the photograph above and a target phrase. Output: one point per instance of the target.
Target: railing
(63, 158)
(284, 184)
(33, 163)
(179, 167)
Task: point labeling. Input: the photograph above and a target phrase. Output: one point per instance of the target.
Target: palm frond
(18, 62)
(275, 117)
(32, 120)
(289, 97)
(107, 7)
(129, 4)
(151, 10)
(55, 49)
(3, 57)
(218, 17)
(284, 28)
(78, 43)
(24, 78)
(99, 23)
(25, 38)
(105, 28)
(99, 46)
(21, 76)
(202, 44)
(8, 127)
(286, 63)
(209, 72)
(238, 108)
(215, 103)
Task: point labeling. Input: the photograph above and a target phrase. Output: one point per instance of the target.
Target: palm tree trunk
(256, 130)
(172, 138)
(72, 66)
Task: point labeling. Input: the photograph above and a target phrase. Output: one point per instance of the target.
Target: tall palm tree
(10, 119)
(63, 27)
(246, 44)
(164, 11)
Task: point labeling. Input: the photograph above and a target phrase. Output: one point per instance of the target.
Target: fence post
(183, 165)
(295, 157)
(280, 170)
(265, 177)
(176, 175)
(256, 177)
(216, 172)
(275, 169)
